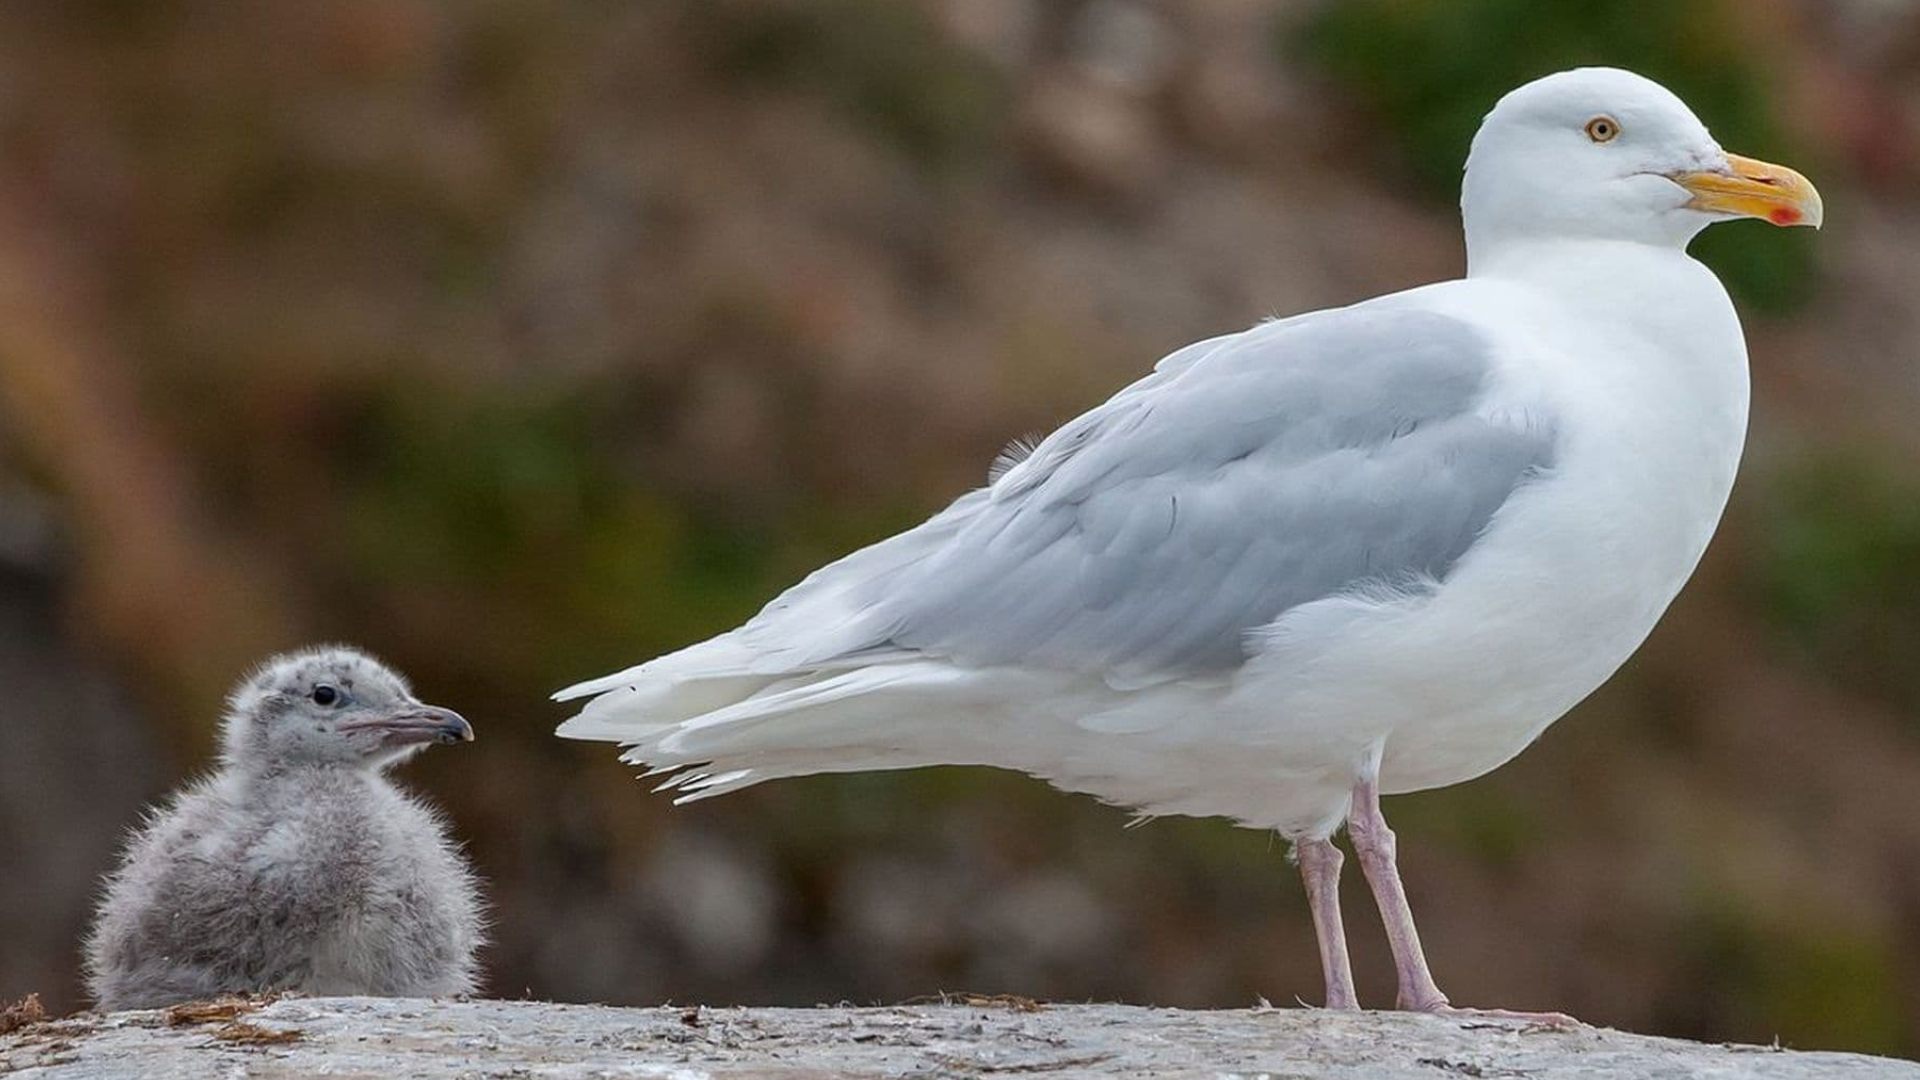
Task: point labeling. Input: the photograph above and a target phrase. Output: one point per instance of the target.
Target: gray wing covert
(1144, 539)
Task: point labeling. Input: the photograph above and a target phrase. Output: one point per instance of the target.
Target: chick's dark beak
(416, 723)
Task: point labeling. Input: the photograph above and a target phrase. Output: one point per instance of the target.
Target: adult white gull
(1355, 552)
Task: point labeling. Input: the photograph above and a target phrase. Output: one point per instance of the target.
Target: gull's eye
(327, 695)
(1602, 129)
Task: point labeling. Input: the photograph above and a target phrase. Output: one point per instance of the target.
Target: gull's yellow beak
(1754, 189)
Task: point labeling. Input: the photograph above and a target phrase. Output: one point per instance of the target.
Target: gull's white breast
(1639, 358)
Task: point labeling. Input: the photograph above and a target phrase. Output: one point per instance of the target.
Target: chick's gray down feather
(296, 865)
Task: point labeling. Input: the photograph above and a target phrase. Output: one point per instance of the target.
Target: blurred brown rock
(1100, 139)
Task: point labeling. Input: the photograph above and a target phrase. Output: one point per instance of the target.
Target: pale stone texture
(352, 1038)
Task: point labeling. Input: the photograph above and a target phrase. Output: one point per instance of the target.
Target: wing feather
(1145, 539)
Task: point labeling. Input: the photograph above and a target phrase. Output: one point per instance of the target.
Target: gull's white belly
(1557, 596)
(1444, 687)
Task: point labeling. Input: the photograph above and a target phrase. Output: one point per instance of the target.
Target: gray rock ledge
(381, 1039)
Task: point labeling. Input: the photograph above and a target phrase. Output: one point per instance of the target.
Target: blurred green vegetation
(1832, 986)
(1836, 570)
(1486, 821)
(1428, 72)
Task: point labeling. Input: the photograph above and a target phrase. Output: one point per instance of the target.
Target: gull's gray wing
(1143, 540)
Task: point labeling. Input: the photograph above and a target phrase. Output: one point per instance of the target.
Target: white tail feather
(897, 715)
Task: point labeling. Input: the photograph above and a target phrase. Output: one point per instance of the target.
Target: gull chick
(1351, 553)
(296, 865)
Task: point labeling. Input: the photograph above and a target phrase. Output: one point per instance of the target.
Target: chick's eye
(1602, 129)
(326, 695)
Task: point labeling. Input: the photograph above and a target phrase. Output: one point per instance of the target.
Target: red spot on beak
(1784, 215)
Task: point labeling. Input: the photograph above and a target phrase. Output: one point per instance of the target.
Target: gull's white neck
(1526, 259)
(1654, 293)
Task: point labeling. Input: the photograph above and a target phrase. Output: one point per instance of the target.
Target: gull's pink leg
(1320, 868)
(1374, 844)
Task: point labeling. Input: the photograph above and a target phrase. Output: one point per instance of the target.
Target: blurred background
(520, 341)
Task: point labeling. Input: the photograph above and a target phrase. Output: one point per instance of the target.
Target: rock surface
(351, 1038)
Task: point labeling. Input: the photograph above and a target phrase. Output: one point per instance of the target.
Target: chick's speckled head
(331, 705)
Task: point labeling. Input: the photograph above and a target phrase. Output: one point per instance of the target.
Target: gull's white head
(1600, 153)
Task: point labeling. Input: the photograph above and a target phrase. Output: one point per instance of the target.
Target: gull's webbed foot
(1544, 1019)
